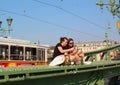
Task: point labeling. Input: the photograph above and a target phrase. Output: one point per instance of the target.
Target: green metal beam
(103, 50)
(91, 56)
(93, 74)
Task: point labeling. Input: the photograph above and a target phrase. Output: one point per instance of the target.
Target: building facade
(92, 46)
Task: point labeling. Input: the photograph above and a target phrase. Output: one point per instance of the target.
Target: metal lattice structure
(93, 74)
(112, 5)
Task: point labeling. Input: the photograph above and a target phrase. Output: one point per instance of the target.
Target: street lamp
(3, 30)
(9, 21)
(0, 23)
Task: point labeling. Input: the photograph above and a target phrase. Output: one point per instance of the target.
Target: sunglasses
(71, 43)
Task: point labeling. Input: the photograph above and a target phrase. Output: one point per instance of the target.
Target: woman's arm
(65, 50)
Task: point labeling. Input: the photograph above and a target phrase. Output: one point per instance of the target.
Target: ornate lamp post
(0, 23)
(3, 30)
(9, 21)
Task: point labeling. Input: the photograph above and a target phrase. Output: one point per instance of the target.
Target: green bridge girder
(93, 74)
(106, 51)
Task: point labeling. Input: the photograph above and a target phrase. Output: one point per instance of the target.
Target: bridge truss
(92, 74)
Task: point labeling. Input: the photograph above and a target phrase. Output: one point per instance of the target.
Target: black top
(56, 51)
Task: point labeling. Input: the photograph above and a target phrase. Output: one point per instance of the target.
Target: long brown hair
(70, 39)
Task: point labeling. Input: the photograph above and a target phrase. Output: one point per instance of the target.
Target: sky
(48, 20)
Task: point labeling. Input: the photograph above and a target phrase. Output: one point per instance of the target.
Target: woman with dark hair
(59, 51)
(75, 56)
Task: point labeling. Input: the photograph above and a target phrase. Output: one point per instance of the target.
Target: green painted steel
(93, 74)
(93, 55)
(117, 46)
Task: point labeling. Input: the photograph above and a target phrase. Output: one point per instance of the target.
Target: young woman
(75, 55)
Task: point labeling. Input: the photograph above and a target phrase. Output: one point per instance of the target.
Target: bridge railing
(107, 53)
(79, 74)
(13, 75)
